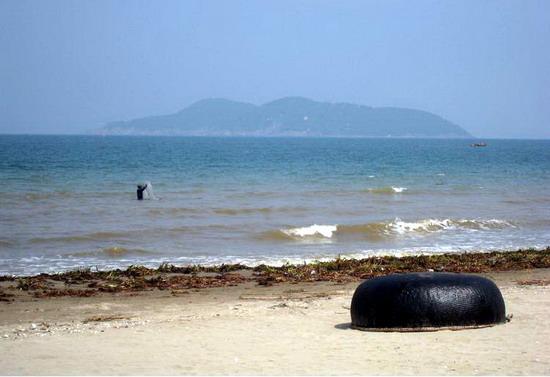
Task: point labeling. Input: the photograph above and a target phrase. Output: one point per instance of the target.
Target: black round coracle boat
(426, 302)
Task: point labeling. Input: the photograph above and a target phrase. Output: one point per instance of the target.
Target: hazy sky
(69, 66)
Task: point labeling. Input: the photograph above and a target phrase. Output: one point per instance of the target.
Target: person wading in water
(140, 189)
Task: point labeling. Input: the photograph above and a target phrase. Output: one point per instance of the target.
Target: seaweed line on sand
(177, 279)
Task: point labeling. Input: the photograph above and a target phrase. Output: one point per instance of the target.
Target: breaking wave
(433, 225)
(387, 190)
(380, 230)
(308, 232)
(313, 230)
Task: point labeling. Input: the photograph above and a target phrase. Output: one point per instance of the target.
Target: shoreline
(86, 283)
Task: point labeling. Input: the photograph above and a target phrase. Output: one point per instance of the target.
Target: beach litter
(427, 301)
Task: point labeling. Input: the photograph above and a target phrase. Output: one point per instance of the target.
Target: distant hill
(290, 116)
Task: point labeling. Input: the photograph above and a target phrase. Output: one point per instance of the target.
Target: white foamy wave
(435, 225)
(486, 224)
(387, 190)
(430, 225)
(377, 231)
(313, 230)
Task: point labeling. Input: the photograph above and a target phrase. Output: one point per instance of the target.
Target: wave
(387, 190)
(5, 243)
(380, 230)
(313, 230)
(38, 196)
(240, 211)
(223, 211)
(28, 266)
(97, 236)
(434, 225)
(114, 251)
(308, 232)
(132, 235)
(371, 231)
(59, 195)
(174, 211)
(262, 210)
(194, 229)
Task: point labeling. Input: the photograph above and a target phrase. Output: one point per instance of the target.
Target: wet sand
(251, 329)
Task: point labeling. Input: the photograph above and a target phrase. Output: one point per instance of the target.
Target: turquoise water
(69, 201)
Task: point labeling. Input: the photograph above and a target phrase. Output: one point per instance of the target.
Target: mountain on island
(290, 116)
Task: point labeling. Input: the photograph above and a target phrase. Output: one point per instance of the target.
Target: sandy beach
(285, 328)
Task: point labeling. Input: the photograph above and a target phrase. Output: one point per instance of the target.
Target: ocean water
(70, 201)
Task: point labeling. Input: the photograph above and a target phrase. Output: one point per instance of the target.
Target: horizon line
(280, 136)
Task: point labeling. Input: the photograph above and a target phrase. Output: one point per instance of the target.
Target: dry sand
(284, 329)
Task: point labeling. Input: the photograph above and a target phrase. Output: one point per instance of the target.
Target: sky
(72, 66)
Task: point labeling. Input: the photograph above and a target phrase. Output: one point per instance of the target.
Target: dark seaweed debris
(539, 282)
(54, 292)
(161, 282)
(223, 268)
(105, 318)
(344, 270)
(85, 282)
(6, 297)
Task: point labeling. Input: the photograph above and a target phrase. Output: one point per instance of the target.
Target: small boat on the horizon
(478, 145)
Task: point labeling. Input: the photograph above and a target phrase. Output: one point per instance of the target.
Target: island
(290, 116)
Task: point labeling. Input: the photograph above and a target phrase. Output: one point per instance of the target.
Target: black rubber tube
(425, 302)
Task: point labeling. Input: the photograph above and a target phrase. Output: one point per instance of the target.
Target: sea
(69, 202)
